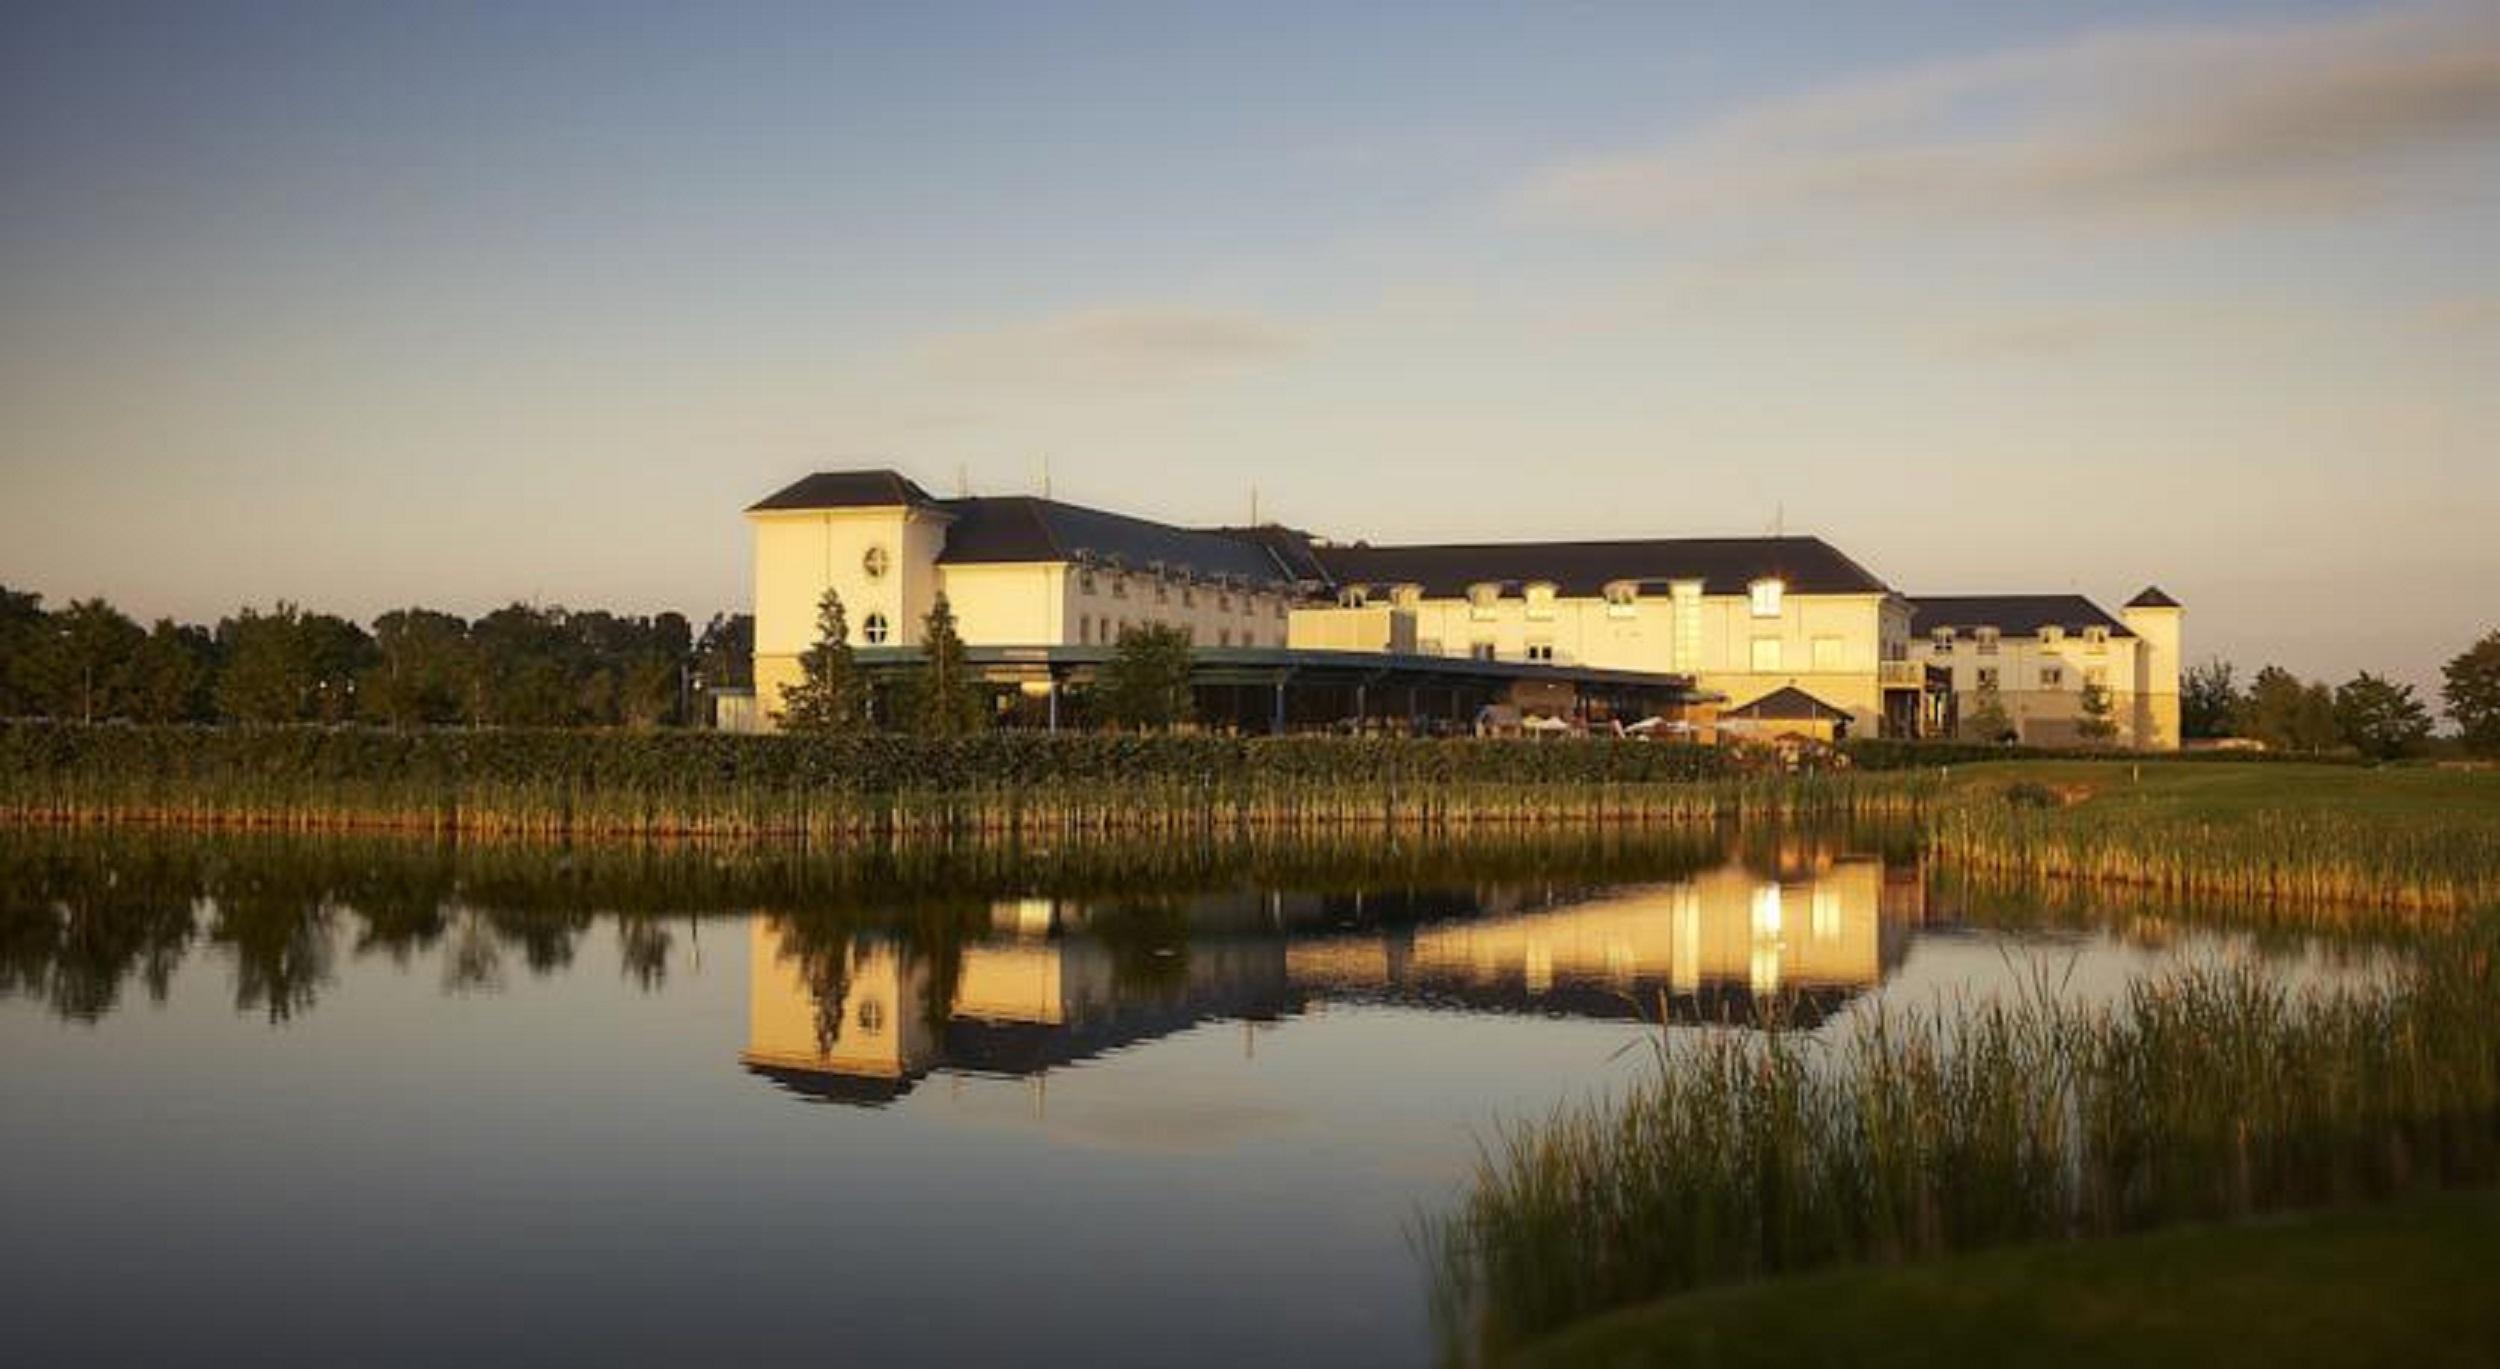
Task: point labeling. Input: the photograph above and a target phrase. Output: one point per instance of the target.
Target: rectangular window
(1085, 629)
(1482, 651)
(1987, 677)
(1766, 655)
(2096, 676)
(1826, 653)
(1766, 598)
(1541, 651)
(2052, 678)
(1223, 636)
(1987, 641)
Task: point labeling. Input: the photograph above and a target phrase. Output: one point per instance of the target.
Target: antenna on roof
(1045, 475)
(1254, 506)
(1779, 519)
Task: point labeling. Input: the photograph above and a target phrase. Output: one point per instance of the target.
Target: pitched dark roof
(2152, 597)
(1292, 548)
(2015, 615)
(1017, 528)
(1787, 703)
(1724, 565)
(845, 490)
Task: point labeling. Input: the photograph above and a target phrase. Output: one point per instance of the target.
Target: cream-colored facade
(2040, 670)
(889, 563)
(1846, 649)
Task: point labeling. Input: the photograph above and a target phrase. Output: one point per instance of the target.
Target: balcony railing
(1902, 674)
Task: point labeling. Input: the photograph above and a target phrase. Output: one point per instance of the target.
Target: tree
(421, 665)
(2380, 718)
(170, 674)
(2209, 701)
(2096, 725)
(830, 695)
(89, 668)
(267, 677)
(1146, 683)
(520, 669)
(2288, 715)
(23, 625)
(2472, 693)
(944, 698)
(1986, 721)
(724, 656)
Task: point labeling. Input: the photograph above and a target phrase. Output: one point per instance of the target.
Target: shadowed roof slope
(1724, 565)
(844, 490)
(1016, 528)
(2013, 614)
(2152, 597)
(1787, 703)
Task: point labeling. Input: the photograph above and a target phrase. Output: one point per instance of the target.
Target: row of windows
(1106, 632)
(1088, 583)
(1764, 597)
(2095, 639)
(2051, 677)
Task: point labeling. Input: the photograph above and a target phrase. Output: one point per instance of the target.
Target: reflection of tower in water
(1056, 981)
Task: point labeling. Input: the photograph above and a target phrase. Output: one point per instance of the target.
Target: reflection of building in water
(860, 1019)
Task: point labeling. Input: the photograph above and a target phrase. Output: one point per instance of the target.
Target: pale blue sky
(455, 305)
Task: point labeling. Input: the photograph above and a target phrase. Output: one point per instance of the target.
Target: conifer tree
(830, 695)
(945, 699)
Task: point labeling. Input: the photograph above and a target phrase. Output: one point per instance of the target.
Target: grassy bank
(2216, 1094)
(690, 783)
(2411, 1282)
(2417, 839)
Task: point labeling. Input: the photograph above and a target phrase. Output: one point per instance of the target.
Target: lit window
(1766, 597)
(872, 629)
(874, 563)
(1766, 655)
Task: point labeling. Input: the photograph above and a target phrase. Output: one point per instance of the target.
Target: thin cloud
(1112, 347)
(2140, 124)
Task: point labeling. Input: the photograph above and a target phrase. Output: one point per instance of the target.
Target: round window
(874, 563)
(873, 629)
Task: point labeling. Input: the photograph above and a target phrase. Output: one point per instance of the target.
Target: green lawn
(2410, 1283)
(2219, 791)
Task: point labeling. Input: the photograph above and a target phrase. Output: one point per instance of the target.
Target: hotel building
(1779, 634)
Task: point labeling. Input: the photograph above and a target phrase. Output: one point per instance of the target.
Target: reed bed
(553, 783)
(2208, 1094)
(2422, 864)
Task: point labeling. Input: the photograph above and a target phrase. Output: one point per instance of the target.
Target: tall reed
(2212, 1093)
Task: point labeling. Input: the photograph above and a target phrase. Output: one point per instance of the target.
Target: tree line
(2369, 714)
(522, 665)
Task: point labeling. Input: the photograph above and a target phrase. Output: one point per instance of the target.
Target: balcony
(1901, 674)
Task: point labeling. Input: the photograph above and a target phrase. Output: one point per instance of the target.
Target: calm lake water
(369, 1101)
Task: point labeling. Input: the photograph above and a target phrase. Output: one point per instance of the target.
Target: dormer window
(1541, 599)
(1943, 638)
(1623, 599)
(2096, 639)
(1407, 596)
(1987, 641)
(1354, 596)
(1765, 594)
(1085, 581)
(2050, 635)
(1482, 598)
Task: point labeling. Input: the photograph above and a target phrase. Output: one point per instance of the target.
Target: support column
(1276, 724)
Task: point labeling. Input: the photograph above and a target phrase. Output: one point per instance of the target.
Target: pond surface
(366, 1101)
